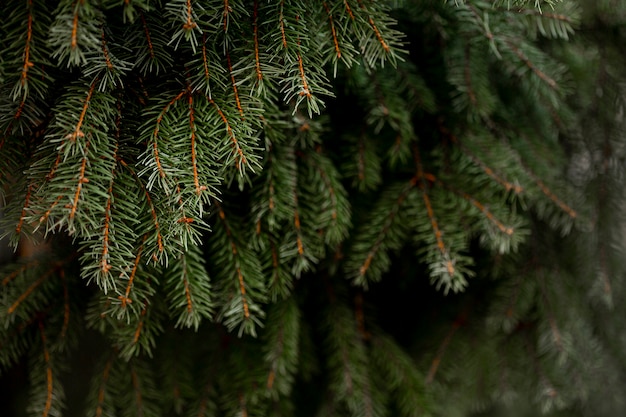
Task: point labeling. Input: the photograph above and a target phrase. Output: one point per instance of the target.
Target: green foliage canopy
(245, 197)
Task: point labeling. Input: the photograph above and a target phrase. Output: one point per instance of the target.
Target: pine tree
(313, 208)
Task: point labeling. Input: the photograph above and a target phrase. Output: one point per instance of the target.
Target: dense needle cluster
(347, 207)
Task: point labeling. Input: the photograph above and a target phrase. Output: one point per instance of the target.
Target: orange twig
(255, 24)
(381, 236)
(29, 290)
(17, 272)
(184, 219)
(82, 179)
(74, 42)
(240, 157)
(194, 165)
(570, 211)
(29, 35)
(379, 36)
(271, 377)
(543, 76)
(517, 189)
(189, 24)
(147, 32)
(225, 15)
(9, 128)
(431, 215)
(488, 214)
(348, 9)
(55, 165)
(440, 244)
(487, 32)
(275, 265)
(296, 223)
(242, 290)
(205, 62)
(18, 114)
(186, 284)
(105, 51)
(240, 278)
(442, 349)
(272, 192)
(139, 326)
(155, 133)
(282, 24)
(18, 228)
(125, 298)
(299, 237)
(332, 29)
(52, 206)
(305, 86)
(104, 263)
(77, 130)
(234, 83)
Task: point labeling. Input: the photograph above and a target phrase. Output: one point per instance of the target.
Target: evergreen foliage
(333, 208)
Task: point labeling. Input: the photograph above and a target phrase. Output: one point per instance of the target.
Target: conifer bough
(216, 191)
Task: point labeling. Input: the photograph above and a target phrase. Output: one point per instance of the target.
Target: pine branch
(350, 377)
(281, 347)
(383, 232)
(75, 32)
(191, 167)
(189, 289)
(240, 286)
